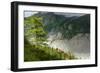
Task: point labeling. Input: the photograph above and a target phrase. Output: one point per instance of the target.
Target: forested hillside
(39, 27)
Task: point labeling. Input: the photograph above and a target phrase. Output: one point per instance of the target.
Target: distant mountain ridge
(67, 26)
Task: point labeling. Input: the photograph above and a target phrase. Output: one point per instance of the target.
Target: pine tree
(36, 30)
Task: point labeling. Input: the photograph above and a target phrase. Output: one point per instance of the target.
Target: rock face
(68, 33)
(78, 45)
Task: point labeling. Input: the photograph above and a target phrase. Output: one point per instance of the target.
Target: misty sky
(29, 13)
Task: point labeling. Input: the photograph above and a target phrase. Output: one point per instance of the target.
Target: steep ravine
(61, 27)
(78, 45)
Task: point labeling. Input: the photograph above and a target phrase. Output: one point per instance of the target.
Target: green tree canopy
(34, 27)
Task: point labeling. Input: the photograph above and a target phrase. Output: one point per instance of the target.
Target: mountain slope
(66, 33)
(67, 26)
(43, 53)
